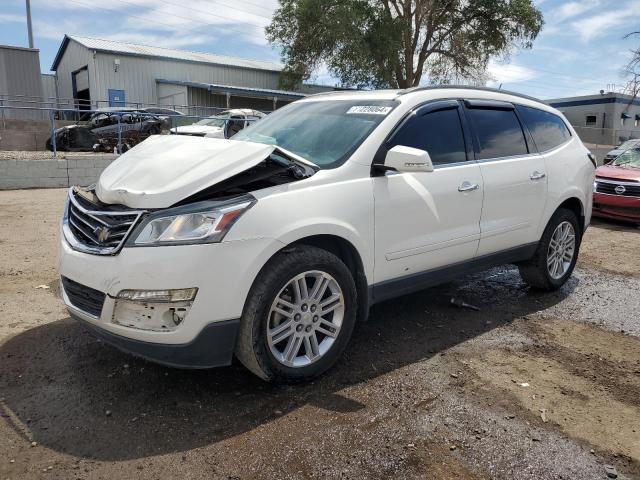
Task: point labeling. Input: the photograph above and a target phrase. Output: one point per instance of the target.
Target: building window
(623, 118)
(591, 120)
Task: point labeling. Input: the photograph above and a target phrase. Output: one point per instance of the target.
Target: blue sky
(580, 50)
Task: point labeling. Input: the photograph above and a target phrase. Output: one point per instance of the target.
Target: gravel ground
(532, 386)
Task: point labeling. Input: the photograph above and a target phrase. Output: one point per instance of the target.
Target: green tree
(393, 43)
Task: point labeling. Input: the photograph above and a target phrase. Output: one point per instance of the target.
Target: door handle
(468, 187)
(537, 175)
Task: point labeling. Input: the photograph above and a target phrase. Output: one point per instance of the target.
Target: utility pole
(29, 29)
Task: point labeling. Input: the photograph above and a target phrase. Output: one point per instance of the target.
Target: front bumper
(616, 206)
(212, 347)
(222, 272)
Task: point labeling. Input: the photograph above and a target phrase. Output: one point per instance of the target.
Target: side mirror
(407, 159)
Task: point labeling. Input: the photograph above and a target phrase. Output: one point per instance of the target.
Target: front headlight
(201, 222)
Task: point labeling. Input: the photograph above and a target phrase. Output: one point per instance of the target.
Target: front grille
(83, 298)
(94, 227)
(609, 187)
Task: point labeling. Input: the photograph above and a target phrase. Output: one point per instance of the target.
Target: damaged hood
(165, 169)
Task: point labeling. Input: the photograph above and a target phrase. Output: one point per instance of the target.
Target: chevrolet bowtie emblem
(102, 233)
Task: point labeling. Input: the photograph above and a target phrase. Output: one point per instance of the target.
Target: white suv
(271, 246)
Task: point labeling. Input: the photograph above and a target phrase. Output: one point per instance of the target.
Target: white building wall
(609, 129)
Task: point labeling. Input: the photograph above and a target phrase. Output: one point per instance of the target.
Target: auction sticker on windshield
(369, 109)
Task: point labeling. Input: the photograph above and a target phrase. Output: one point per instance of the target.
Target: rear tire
(292, 328)
(557, 253)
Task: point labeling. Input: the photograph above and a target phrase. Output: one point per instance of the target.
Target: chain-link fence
(34, 127)
(85, 105)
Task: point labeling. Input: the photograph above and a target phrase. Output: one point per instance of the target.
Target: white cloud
(558, 53)
(247, 26)
(570, 10)
(10, 18)
(171, 22)
(508, 73)
(597, 25)
(166, 41)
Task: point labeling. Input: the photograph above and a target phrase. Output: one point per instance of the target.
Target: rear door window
(499, 133)
(439, 133)
(548, 130)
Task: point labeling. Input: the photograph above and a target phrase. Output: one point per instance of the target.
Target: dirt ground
(532, 386)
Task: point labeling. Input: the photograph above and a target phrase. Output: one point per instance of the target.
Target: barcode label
(369, 110)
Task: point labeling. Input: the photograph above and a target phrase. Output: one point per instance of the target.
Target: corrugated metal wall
(137, 76)
(20, 79)
(262, 104)
(173, 96)
(75, 57)
(202, 98)
(49, 90)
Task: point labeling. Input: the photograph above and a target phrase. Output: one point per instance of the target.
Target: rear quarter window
(547, 129)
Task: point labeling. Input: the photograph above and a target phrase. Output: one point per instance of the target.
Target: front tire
(557, 253)
(299, 316)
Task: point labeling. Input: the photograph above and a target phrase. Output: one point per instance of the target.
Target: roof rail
(437, 87)
(468, 87)
(331, 92)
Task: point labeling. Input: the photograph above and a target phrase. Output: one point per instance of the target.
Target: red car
(617, 188)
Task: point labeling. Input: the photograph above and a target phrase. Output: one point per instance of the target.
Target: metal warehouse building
(21, 84)
(98, 73)
(606, 118)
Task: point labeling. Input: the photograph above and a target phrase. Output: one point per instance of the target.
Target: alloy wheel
(562, 247)
(305, 319)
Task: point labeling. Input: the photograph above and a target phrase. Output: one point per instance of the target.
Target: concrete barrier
(26, 135)
(52, 173)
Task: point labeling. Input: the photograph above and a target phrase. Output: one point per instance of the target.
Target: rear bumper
(616, 206)
(212, 347)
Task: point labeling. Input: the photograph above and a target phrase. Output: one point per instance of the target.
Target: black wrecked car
(100, 131)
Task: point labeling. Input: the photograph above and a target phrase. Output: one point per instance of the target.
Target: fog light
(163, 296)
(154, 310)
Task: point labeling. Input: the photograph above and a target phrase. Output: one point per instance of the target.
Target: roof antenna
(500, 87)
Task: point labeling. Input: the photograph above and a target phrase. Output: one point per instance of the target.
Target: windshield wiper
(297, 158)
(299, 167)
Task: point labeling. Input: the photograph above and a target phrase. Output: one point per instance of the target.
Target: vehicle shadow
(79, 396)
